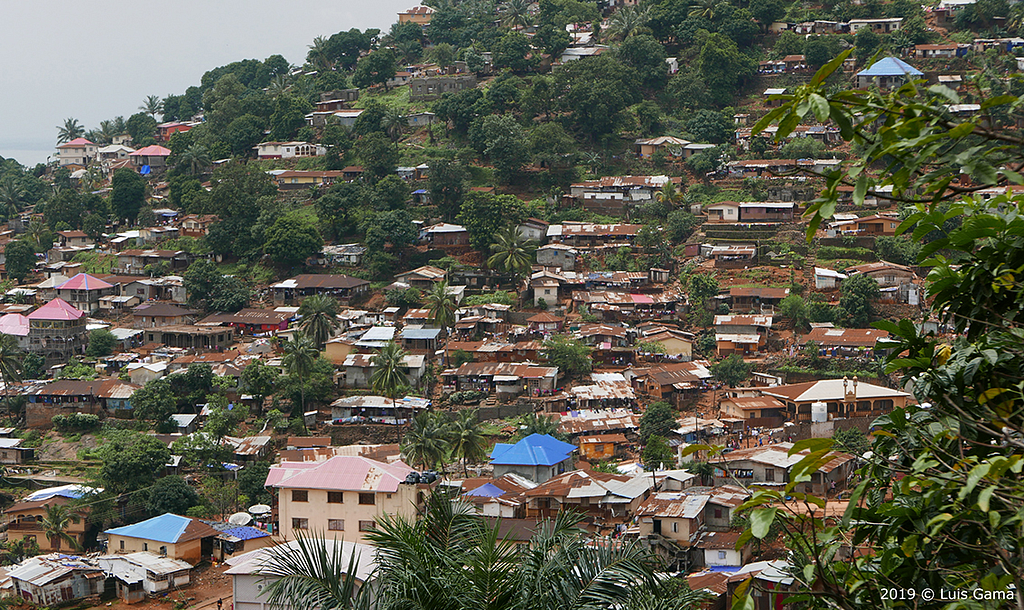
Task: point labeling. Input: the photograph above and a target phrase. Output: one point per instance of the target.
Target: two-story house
(343, 496)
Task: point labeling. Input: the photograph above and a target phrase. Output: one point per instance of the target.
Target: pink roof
(340, 473)
(14, 324)
(84, 281)
(76, 143)
(641, 298)
(57, 309)
(153, 150)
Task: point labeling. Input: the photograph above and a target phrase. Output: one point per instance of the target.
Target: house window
(300, 495)
(599, 448)
(675, 527)
(367, 526)
(721, 554)
(122, 545)
(163, 550)
(145, 546)
(335, 497)
(367, 498)
(718, 513)
(336, 525)
(769, 474)
(300, 523)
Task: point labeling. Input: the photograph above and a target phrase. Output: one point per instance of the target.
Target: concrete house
(76, 153)
(169, 535)
(153, 155)
(248, 578)
(885, 273)
(557, 255)
(878, 26)
(887, 73)
(537, 457)
(24, 518)
(84, 292)
(289, 150)
(343, 496)
(841, 398)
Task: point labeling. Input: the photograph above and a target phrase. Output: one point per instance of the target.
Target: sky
(96, 60)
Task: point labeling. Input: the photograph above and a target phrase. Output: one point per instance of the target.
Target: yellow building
(170, 535)
(418, 14)
(24, 519)
(343, 496)
(603, 447)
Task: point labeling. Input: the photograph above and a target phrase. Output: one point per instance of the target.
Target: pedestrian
(220, 603)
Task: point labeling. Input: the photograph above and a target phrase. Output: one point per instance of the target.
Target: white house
(247, 571)
(289, 150)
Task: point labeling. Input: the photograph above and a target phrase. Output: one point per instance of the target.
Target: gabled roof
(857, 337)
(599, 487)
(343, 472)
(153, 150)
(168, 528)
(890, 66)
(76, 143)
(830, 390)
(57, 309)
(84, 281)
(534, 450)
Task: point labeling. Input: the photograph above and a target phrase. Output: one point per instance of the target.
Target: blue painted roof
(534, 450)
(165, 528)
(890, 66)
(487, 490)
(246, 532)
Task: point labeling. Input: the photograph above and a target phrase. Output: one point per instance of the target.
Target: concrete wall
(190, 552)
(318, 511)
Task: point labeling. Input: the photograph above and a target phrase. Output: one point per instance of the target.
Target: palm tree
(319, 318)
(628, 21)
(55, 524)
(393, 122)
(152, 105)
(279, 85)
(12, 194)
(452, 558)
(516, 14)
(10, 365)
(426, 443)
(312, 573)
(387, 378)
(196, 158)
(513, 253)
(409, 50)
(72, 129)
(668, 194)
(317, 55)
(537, 424)
(441, 303)
(705, 9)
(39, 234)
(300, 354)
(467, 439)
(106, 132)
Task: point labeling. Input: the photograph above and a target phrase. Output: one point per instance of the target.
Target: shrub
(76, 422)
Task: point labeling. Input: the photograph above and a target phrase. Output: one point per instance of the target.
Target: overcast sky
(97, 60)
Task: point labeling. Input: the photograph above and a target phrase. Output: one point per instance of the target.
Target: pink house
(84, 292)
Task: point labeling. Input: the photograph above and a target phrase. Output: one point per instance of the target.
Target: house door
(657, 526)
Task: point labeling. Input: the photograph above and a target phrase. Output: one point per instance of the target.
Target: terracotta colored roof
(84, 281)
(57, 309)
(715, 582)
(544, 317)
(754, 402)
(827, 390)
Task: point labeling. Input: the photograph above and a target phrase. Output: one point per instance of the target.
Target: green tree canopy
(483, 215)
(658, 419)
(171, 495)
(732, 371)
(292, 239)
(132, 461)
(569, 355)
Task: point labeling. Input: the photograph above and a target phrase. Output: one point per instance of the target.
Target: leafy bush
(831, 252)
(465, 396)
(76, 422)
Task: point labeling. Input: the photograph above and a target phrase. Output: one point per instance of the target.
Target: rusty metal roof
(680, 505)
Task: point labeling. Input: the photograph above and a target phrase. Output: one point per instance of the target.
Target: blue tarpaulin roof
(246, 532)
(534, 450)
(890, 66)
(487, 490)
